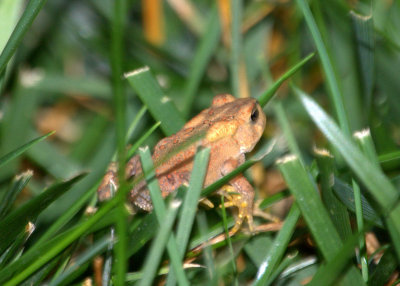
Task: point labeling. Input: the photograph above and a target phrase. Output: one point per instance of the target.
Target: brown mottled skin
(231, 127)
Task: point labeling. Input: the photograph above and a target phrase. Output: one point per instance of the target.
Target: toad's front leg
(240, 194)
(109, 184)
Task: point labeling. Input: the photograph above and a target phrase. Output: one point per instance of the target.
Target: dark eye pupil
(254, 115)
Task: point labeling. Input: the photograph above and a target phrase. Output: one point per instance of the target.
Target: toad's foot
(235, 199)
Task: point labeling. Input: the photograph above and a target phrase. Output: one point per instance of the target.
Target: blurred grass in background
(67, 67)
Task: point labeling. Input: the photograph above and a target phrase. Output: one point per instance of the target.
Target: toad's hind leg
(243, 201)
(240, 194)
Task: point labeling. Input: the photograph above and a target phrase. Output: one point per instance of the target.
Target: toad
(231, 127)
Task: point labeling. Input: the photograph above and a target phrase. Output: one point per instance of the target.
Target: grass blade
(81, 260)
(9, 156)
(154, 256)
(201, 58)
(379, 186)
(159, 209)
(18, 183)
(364, 32)
(277, 250)
(190, 202)
(161, 107)
(236, 47)
(377, 183)
(16, 221)
(264, 98)
(333, 84)
(336, 210)
(328, 273)
(314, 213)
(24, 23)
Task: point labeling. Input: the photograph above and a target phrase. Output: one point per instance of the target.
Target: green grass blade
(160, 210)
(333, 84)
(135, 122)
(267, 149)
(268, 94)
(384, 270)
(67, 216)
(360, 227)
(16, 221)
(154, 256)
(345, 194)
(9, 13)
(8, 199)
(364, 32)
(82, 259)
(16, 248)
(143, 138)
(377, 183)
(278, 248)
(142, 233)
(379, 186)
(189, 207)
(314, 213)
(39, 255)
(286, 262)
(328, 273)
(160, 106)
(336, 210)
(364, 140)
(286, 130)
(24, 23)
(236, 46)
(9, 156)
(207, 46)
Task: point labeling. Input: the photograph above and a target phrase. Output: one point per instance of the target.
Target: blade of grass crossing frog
(189, 207)
(39, 255)
(15, 221)
(8, 198)
(376, 182)
(159, 105)
(278, 248)
(327, 66)
(154, 256)
(264, 151)
(314, 213)
(24, 23)
(207, 46)
(11, 155)
(264, 98)
(160, 210)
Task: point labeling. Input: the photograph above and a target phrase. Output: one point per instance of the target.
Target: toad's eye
(254, 115)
